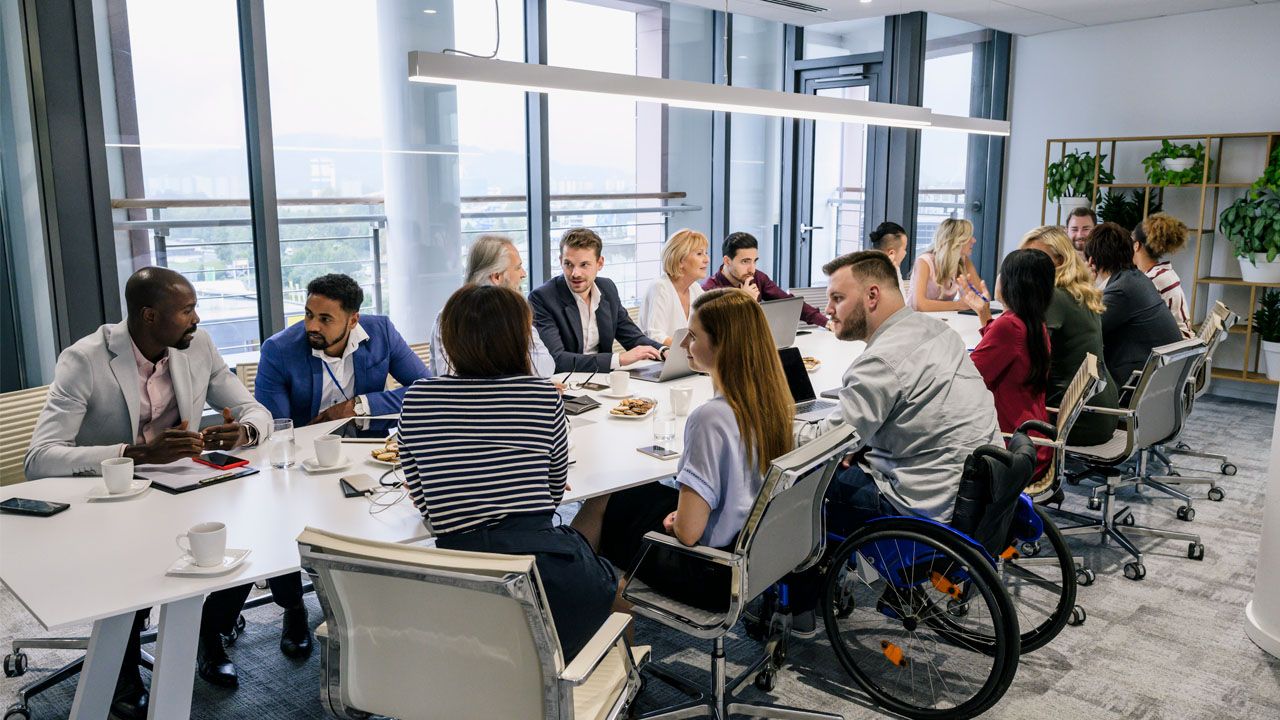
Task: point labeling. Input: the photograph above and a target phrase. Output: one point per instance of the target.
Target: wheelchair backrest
(990, 485)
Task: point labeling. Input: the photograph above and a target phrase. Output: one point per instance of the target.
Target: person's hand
(977, 304)
(638, 353)
(751, 288)
(560, 387)
(669, 523)
(176, 443)
(226, 436)
(336, 412)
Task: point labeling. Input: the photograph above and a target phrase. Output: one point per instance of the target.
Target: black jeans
(218, 617)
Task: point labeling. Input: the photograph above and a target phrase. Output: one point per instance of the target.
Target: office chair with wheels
(783, 532)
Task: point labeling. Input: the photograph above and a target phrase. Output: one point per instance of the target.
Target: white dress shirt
(661, 313)
(590, 328)
(539, 356)
(343, 368)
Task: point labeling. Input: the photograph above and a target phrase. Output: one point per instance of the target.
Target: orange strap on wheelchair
(945, 586)
(1009, 553)
(893, 653)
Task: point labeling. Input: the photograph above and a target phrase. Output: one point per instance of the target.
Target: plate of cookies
(811, 364)
(388, 454)
(634, 408)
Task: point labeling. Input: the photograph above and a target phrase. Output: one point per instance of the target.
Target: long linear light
(445, 69)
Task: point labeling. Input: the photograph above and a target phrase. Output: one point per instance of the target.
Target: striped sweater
(1169, 285)
(475, 450)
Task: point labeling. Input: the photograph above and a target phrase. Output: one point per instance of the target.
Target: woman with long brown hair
(729, 442)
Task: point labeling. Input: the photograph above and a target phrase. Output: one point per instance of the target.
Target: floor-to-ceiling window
(755, 141)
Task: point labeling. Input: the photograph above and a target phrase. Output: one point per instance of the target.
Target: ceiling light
(977, 126)
(429, 12)
(865, 2)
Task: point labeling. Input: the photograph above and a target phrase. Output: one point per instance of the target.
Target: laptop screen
(797, 377)
(365, 428)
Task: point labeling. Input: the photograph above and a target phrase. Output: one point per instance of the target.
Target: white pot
(1260, 271)
(1177, 164)
(1272, 352)
(1071, 203)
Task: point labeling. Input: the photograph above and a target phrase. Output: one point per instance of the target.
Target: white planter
(1260, 271)
(1272, 352)
(1071, 203)
(1177, 164)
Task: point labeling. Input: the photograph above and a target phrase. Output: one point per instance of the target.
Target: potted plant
(1070, 180)
(1125, 209)
(1175, 164)
(1252, 224)
(1266, 321)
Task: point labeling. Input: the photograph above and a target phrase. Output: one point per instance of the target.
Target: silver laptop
(675, 367)
(783, 317)
(808, 407)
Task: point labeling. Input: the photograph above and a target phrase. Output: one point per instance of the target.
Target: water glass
(664, 428)
(280, 448)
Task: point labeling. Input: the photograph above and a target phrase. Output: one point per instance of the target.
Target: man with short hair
(332, 365)
(494, 260)
(740, 253)
(579, 314)
(1080, 222)
(138, 389)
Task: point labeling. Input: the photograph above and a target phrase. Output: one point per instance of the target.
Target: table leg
(174, 673)
(97, 685)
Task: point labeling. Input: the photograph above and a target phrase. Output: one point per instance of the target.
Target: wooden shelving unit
(1203, 232)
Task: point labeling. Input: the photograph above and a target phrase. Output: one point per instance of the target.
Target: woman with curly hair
(1153, 239)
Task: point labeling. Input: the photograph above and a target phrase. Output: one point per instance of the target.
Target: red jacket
(1003, 361)
(769, 290)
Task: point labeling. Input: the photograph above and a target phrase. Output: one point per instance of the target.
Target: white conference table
(102, 561)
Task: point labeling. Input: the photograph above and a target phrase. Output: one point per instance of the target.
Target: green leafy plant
(1158, 175)
(1266, 319)
(1125, 209)
(1270, 179)
(1072, 176)
(1252, 224)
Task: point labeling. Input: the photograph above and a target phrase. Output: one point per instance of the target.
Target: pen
(977, 292)
(228, 476)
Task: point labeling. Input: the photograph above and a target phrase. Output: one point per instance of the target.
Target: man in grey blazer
(138, 389)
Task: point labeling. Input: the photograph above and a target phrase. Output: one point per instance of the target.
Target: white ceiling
(1020, 17)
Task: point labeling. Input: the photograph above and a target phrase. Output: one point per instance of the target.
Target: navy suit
(559, 323)
(290, 379)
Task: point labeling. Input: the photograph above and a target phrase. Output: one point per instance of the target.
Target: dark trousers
(286, 590)
(218, 617)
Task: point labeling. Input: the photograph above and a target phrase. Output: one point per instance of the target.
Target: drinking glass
(664, 428)
(280, 444)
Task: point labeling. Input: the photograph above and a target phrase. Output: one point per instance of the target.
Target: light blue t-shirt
(715, 466)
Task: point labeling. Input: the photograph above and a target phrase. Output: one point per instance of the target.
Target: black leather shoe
(295, 633)
(130, 701)
(215, 667)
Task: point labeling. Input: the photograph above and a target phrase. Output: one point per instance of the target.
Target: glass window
(175, 138)
(845, 37)
(839, 185)
(755, 141)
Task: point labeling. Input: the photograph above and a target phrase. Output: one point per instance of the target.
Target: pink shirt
(157, 405)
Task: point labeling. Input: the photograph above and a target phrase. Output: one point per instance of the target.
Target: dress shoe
(295, 633)
(215, 667)
(130, 701)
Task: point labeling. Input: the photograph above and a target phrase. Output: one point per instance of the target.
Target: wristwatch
(362, 406)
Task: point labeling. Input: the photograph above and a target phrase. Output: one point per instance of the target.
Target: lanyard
(334, 379)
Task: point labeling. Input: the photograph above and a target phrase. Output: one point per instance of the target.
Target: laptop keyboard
(810, 405)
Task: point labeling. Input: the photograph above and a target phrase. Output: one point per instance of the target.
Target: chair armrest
(709, 554)
(1108, 411)
(597, 648)
(1043, 442)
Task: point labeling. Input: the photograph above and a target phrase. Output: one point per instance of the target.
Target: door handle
(809, 228)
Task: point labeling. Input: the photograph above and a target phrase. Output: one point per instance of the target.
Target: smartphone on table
(37, 508)
(659, 452)
(220, 460)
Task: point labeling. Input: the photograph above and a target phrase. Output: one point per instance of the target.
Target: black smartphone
(594, 386)
(659, 452)
(994, 312)
(38, 508)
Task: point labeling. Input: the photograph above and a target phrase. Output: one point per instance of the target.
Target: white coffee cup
(328, 450)
(681, 399)
(117, 473)
(206, 543)
(619, 381)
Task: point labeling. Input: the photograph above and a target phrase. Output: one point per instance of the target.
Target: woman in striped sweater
(1153, 239)
(485, 453)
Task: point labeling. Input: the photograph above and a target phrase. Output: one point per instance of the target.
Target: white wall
(1185, 74)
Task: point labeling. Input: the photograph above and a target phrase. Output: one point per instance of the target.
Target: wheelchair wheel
(920, 620)
(1043, 589)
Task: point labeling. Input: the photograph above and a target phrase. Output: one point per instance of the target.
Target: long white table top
(100, 559)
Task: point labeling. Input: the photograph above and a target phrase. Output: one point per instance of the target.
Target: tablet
(367, 429)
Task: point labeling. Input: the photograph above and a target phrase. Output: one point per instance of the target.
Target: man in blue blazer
(332, 365)
(578, 314)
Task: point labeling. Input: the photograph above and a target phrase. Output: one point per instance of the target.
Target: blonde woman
(1074, 320)
(1158, 236)
(945, 270)
(729, 442)
(684, 266)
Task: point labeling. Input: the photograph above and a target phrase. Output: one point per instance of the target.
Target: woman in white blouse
(684, 266)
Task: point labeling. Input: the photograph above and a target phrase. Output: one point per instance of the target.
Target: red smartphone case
(236, 464)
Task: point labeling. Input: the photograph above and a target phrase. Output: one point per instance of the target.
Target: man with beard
(138, 389)
(332, 365)
(740, 253)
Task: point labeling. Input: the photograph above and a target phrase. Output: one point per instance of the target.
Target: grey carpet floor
(1170, 646)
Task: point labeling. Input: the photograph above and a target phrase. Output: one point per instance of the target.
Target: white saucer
(611, 394)
(185, 566)
(310, 466)
(384, 463)
(100, 494)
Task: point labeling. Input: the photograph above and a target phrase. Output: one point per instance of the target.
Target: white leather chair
(247, 373)
(423, 351)
(20, 410)
(413, 632)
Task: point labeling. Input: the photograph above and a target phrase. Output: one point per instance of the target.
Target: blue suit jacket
(559, 324)
(290, 378)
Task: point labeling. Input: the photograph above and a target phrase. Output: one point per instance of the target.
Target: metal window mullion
(537, 150)
(262, 167)
(721, 130)
(898, 172)
(786, 269)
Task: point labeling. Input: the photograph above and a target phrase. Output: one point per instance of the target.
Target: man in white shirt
(494, 260)
(579, 314)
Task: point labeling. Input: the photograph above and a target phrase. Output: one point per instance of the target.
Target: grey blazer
(93, 403)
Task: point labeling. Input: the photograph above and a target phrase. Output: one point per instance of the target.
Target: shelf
(1142, 185)
(1233, 374)
(1239, 329)
(1232, 281)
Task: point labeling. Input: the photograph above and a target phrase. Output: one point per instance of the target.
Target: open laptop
(783, 317)
(675, 367)
(808, 407)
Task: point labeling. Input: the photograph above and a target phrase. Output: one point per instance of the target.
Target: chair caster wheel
(1175, 473)
(1216, 494)
(1029, 549)
(1085, 577)
(1182, 446)
(1228, 468)
(17, 712)
(1095, 503)
(1135, 570)
(1078, 616)
(1186, 513)
(765, 680)
(15, 664)
(1195, 551)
